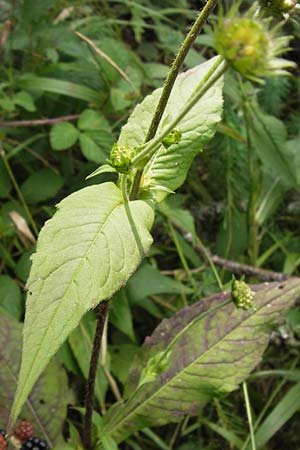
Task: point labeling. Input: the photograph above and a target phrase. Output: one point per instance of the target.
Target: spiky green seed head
(173, 138)
(241, 294)
(251, 46)
(121, 157)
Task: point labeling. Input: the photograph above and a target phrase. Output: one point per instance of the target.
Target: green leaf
(46, 407)
(169, 166)
(105, 168)
(204, 350)
(63, 135)
(282, 412)
(150, 281)
(5, 183)
(57, 86)
(108, 443)
(85, 253)
(268, 136)
(120, 314)
(91, 120)
(23, 265)
(90, 149)
(97, 139)
(121, 359)
(25, 100)
(81, 342)
(10, 297)
(41, 186)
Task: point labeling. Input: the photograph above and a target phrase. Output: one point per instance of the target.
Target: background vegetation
(64, 97)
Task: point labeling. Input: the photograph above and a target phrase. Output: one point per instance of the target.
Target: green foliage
(46, 406)
(65, 99)
(84, 254)
(168, 168)
(196, 355)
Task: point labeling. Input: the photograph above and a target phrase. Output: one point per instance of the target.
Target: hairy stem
(102, 312)
(170, 80)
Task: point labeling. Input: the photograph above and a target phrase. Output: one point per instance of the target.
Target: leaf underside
(85, 253)
(47, 404)
(209, 352)
(169, 167)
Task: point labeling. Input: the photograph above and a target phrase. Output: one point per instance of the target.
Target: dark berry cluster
(34, 443)
(26, 437)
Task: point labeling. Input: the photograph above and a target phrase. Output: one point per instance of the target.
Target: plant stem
(181, 256)
(206, 83)
(123, 183)
(170, 80)
(38, 122)
(249, 415)
(20, 195)
(102, 312)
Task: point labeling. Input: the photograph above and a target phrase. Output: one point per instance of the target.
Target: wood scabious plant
(99, 235)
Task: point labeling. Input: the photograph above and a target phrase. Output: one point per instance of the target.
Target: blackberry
(34, 443)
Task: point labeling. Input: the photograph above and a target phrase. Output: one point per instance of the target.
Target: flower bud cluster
(241, 294)
(121, 157)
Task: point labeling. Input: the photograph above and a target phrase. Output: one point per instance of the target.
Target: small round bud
(173, 138)
(121, 157)
(241, 294)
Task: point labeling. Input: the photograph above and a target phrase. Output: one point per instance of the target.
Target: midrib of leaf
(171, 380)
(66, 290)
(28, 402)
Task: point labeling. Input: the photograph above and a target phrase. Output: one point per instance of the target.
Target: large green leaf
(41, 185)
(46, 406)
(11, 297)
(169, 166)
(56, 86)
(269, 138)
(202, 351)
(85, 253)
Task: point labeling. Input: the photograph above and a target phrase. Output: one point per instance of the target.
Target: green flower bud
(241, 294)
(251, 47)
(121, 157)
(173, 138)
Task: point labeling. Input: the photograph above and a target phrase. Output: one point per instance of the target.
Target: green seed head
(250, 46)
(241, 294)
(121, 157)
